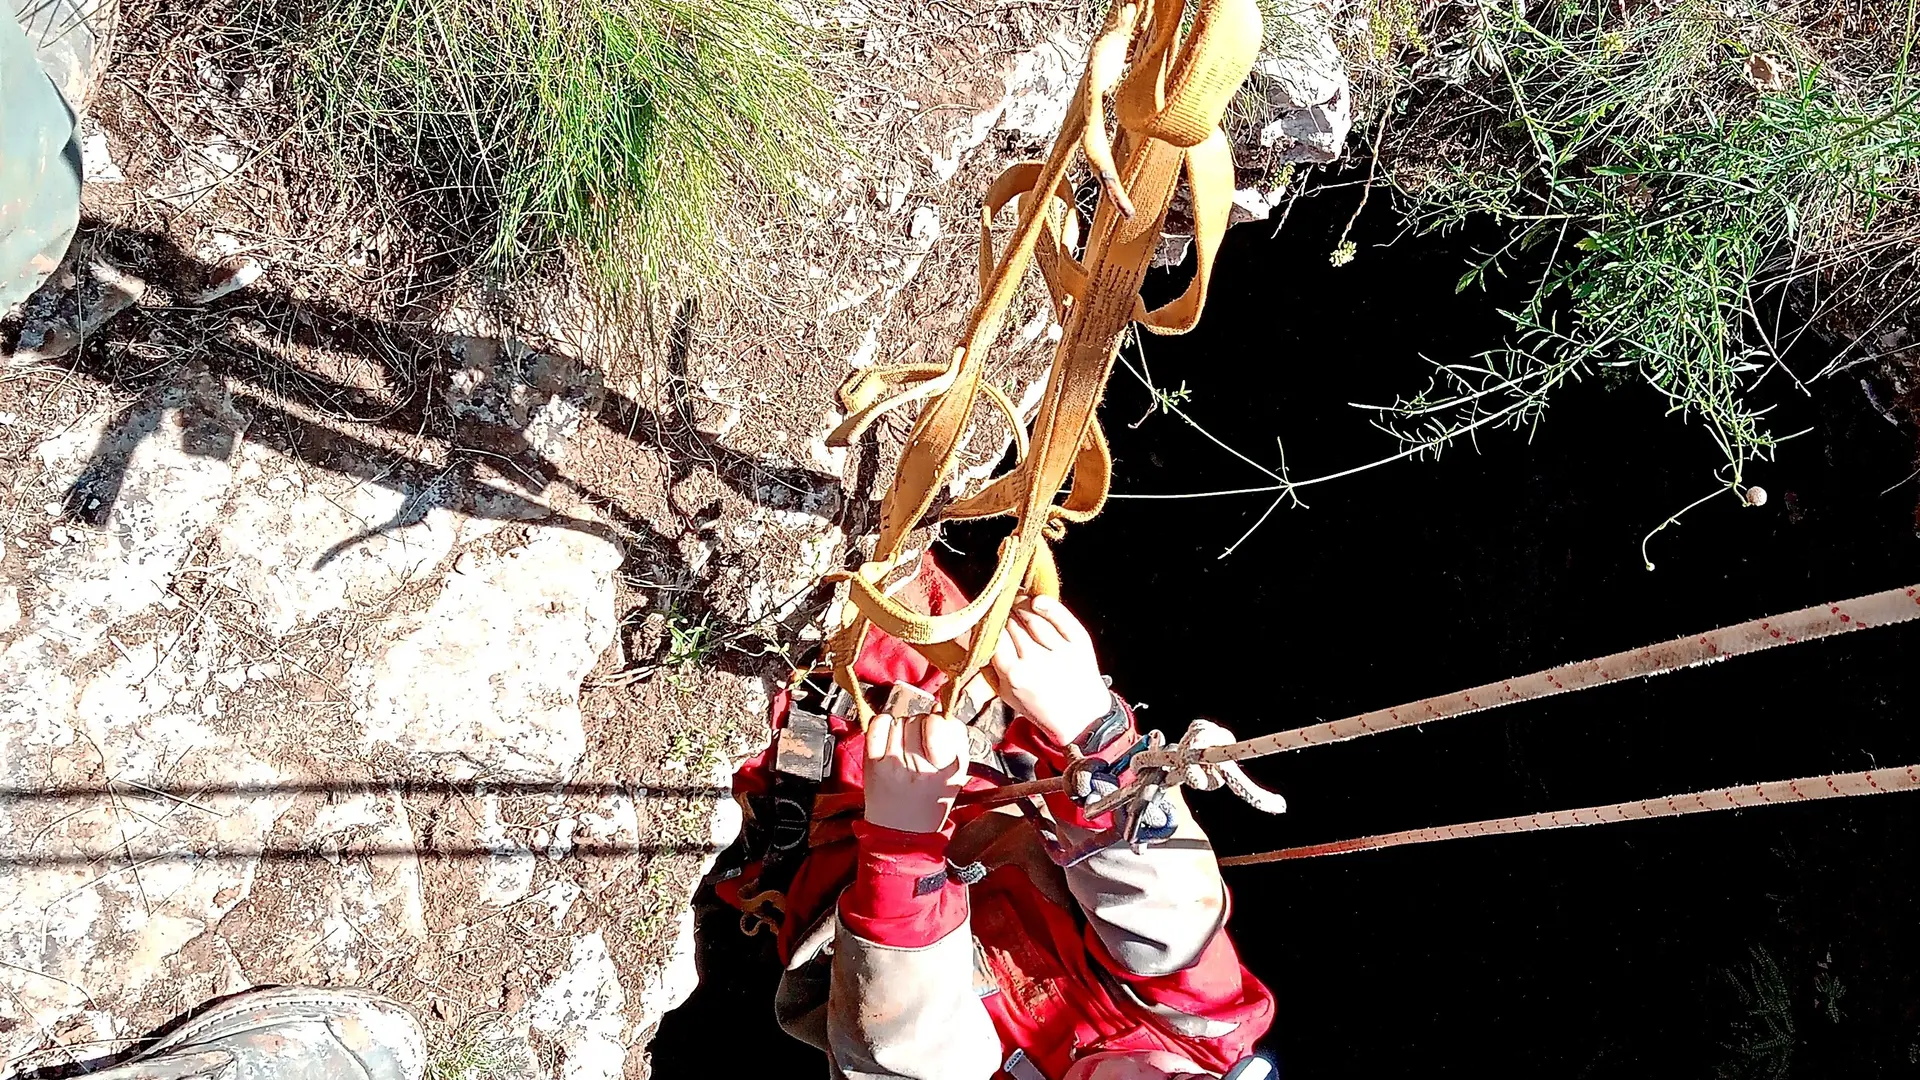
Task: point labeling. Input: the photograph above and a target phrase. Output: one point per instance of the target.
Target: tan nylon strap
(1209, 170)
(1168, 105)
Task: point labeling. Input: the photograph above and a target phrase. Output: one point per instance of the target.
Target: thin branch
(1373, 169)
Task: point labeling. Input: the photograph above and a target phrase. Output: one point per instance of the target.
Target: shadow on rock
(478, 425)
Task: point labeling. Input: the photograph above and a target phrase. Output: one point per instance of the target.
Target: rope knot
(1204, 734)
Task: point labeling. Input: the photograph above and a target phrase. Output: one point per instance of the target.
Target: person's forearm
(1156, 921)
(902, 1005)
(1154, 909)
(899, 896)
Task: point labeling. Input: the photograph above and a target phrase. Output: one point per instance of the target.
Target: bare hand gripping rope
(1158, 767)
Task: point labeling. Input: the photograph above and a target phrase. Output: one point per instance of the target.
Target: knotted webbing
(1170, 89)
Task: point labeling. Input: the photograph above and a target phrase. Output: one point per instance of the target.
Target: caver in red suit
(958, 950)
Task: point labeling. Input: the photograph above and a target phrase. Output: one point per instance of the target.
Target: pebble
(279, 483)
(259, 672)
(230, 280)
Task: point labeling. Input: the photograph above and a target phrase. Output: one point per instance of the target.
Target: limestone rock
(580, 1011)
(1308, 100)
(486, 680)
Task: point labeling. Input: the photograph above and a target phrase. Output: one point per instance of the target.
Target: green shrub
(1673, 182)
(609, 133)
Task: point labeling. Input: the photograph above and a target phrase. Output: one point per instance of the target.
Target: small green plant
(689, 643)
(1764, 1037)
(680, 745)
(656, 907)
(1164, 401)
(1827, 992)
(466, 1054)
(609, 134)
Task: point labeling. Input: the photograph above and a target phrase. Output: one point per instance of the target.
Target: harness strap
(1168, 105)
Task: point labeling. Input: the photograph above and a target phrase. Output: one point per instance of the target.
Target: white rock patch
(580, 1010)
(487, 680)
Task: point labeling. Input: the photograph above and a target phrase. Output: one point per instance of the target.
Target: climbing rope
(1805, 789)
(1206, 757)
(1806, 624)
(1172, 69)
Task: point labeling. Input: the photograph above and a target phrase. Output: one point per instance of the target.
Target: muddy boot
(287, 1033)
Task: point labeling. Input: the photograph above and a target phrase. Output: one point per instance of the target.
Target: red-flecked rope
(1874, 782)
(1807, 624)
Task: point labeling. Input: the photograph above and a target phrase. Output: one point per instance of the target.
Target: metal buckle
(791, 825)
(804, 746)
(837, 702)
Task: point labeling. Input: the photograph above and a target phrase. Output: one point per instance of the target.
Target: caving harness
(1207, 756)
(1171, 69)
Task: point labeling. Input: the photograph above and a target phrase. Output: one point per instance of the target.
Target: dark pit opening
(1769, 942)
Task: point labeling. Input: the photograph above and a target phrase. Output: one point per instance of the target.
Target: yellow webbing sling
(1167, 109)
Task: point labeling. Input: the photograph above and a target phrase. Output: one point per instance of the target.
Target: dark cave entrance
(1681, 947)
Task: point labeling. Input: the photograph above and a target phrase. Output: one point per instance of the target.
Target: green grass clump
(466, 1053)
(609, 133)
(1676, 179)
